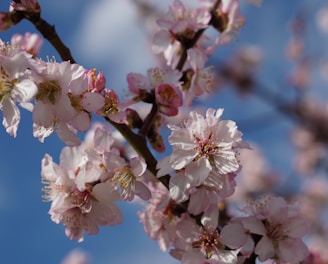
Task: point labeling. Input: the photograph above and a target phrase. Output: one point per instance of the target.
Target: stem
(48, 31)
(148, 121)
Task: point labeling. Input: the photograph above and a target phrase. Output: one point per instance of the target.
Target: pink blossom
(128, 177)
(31, 43)
(96, 82)
(178, 24)
(164, 83)
(201, 145)
(200, 80)
(160, 216)
(281, 227)
(15, 86)
(230, 21)
(63, 102)
(200, 244)
(80, 201)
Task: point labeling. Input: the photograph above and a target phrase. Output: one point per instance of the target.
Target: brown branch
(48, 31)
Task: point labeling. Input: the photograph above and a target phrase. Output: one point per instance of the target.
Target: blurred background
(279, 56)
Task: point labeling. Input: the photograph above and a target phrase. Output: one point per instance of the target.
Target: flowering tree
(209, 195)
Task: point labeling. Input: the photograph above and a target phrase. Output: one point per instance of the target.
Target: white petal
(11, 116)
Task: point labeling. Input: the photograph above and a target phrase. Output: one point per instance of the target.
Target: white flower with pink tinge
(79, 199)
(164, 83)
(280, 225)
(15, 86)
(201, 145)
(63, 102)
(179, 23)
(160, 217)
(200, 244)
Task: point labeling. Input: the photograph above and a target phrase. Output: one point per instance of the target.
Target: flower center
(48, 90)
(127, 181)
(111, 102)
(275, 232)
(208, 242)
(5, 85)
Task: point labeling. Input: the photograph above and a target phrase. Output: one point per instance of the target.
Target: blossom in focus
(163, 83)
(128, 177)
(80, 201)
(200, 244)
(177, 27)
(202, 145)
(15, 86)
(63, 102)
(160, 216)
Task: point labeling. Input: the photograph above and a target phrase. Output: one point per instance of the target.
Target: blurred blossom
(314, 197)
(322, 19)
(31, 43)
(300, 77)
(76, 256)
(309, 151)
(241, 68)
(256, 176)
(295, 48)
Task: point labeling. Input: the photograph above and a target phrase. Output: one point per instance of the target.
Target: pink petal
(92, 102)
(11, 116)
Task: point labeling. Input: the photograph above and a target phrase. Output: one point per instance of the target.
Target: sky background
(109, 35)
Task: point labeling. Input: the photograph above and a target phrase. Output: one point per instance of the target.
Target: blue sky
(105, 35)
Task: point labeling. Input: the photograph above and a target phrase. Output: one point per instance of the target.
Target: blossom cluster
(186, 191)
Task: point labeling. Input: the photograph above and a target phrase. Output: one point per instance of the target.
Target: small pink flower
(281, 227)
(80, 200)
(96, 82)
(16, 86)
(169, 99)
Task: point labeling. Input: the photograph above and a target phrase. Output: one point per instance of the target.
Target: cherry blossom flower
(281, 227)
(200, 244)
(179, 24)
(199, 80)
(228, 21)
(201, 145)
(128, 177)
(165, 85)
(63, 102)
(80, 201)
(15, 86)
(160, 216)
